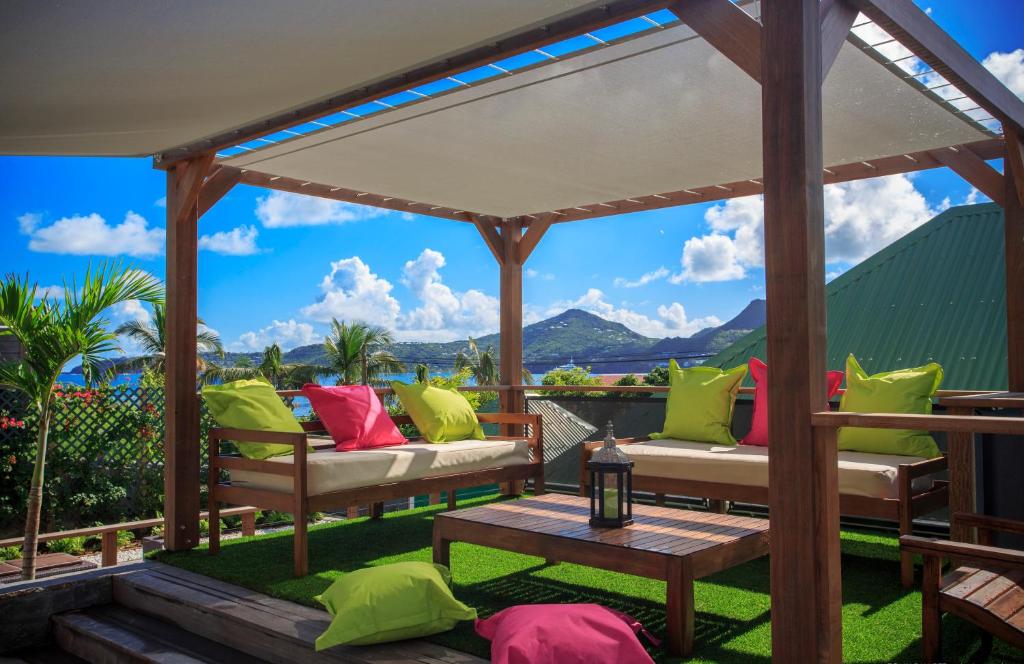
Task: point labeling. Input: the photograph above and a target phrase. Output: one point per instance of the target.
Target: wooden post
(1013, 213)
(803, 468)
(511, 330)
(960, 457)
(181, 440)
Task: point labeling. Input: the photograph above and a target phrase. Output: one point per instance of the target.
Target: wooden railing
(108, 533)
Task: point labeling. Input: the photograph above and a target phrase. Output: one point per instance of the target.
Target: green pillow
(700, 402)
(440, 415)
(905, 391)
(391, 603)
(252, 404)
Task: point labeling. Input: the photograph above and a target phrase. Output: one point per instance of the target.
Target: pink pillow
(758, 434)
(354, 416)
(563, 634)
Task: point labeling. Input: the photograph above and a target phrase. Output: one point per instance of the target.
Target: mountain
(573, 335)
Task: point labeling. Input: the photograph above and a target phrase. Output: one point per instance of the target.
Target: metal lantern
(611, 485)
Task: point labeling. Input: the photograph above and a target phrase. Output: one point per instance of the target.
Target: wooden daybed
(326, 480)
(879, 486)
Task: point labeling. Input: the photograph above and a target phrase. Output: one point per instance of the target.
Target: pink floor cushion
(564, 634)
(354, 416)
(758, 434)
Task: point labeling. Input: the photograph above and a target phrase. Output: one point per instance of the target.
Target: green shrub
(657, 376)
(630, 380)
(10, 552)
(574, 376)
(72, 545)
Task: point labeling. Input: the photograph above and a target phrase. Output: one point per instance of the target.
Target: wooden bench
(301, 503)
(904, 508)
(987, 587)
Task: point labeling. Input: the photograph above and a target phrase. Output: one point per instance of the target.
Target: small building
(10, 348)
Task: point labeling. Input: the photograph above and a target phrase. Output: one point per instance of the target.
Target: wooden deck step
(115, 634)
(250, 622)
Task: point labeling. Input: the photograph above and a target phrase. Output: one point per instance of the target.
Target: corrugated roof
(937, 294)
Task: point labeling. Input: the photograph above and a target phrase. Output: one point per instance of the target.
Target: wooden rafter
(217, 186)
(837, 17)
(915, 30)
(534, 235)
(973, 168)
(591, 19)
(493, 239)
(728, 28)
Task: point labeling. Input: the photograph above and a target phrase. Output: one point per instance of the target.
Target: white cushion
(329, 470)
(860, 474)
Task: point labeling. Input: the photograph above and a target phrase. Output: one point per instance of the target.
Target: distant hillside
(573, 335)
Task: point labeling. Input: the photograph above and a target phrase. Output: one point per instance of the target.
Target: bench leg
(659, 499)
(679, 608)
(931, 616)
(538, 485)
(718, 506)
(248, 524)
(442, 549)
(301, 550)
(213, 519)
(377, 510)
(906, 519)
(451, 499)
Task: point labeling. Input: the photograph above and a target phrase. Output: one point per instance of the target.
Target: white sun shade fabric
(659, 113)
(135, 77)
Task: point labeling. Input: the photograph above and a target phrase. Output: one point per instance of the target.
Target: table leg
(679, 608)
(442, 548)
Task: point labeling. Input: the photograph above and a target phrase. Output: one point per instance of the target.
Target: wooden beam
(803, 469)
(534, 235)
(511, 319)
(973, 168)
(336, 193)
(1013, 214)
(181, 431)
(217, 186)
(188, 182)
(924, 38)
(536, 36)
(493, 239)
(837, 17)
(724, 25)
(1014, 155)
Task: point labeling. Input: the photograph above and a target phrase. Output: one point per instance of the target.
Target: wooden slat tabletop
(665, 530)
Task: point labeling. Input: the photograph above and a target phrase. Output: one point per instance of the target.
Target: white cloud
(288, 334)
(534, 274)
(131, 310)
(1008, 68)
(861, 217)
(240, 241)
(352, 292)
(832, 274)
(28, 222)
(161, 202)
(284, 209)
(975, 196)
(52, 292)
(443, 314)
(646, 278)
(672, 320)
(92, 235)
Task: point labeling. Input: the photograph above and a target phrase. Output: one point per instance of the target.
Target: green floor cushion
(441, 415)
(252, 404)
(389, 603)
(904, 391)
(700, 403)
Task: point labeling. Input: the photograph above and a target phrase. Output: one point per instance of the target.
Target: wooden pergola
(788, 52)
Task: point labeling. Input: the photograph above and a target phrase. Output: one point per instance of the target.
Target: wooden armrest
(927, 546)
(984, 522)
(927, 467)
(253, 436)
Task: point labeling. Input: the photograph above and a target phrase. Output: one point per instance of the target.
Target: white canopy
(136, 77)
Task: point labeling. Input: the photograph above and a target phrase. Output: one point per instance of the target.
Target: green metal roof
(937, 294)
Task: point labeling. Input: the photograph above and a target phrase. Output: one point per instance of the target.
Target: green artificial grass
(881, 621)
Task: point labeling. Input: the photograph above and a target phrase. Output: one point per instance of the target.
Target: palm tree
(53, 332)
(287, 376)
(349, 343)
(483, 366)
(151, 336)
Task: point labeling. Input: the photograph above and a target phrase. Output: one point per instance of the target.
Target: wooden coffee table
(675, 545)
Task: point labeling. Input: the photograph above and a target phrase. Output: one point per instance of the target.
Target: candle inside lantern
(611, 503)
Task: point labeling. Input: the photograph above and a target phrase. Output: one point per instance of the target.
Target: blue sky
(274, 268)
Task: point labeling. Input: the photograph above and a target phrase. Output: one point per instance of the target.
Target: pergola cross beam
(974, 170)
(837, 17)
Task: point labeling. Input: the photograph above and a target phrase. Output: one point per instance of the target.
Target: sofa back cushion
(441, 415)
(904, 391)
(252, 404)
(758, 434)
(700, 403)
(354, 416)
